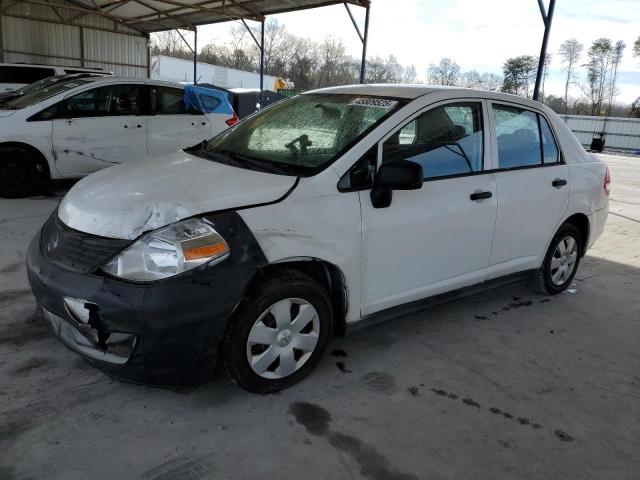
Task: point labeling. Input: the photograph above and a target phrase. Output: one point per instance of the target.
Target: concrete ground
(507, 384)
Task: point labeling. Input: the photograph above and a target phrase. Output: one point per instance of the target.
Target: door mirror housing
(400, 175)
(395, 175)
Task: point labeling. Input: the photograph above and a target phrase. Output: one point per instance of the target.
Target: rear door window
(446, 140)
(125, 100)
(518, 136)
(167, 101)
(17, 74)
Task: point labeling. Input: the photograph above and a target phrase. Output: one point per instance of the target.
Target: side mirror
(395, 175)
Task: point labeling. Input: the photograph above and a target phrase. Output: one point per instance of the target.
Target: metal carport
(64, 38)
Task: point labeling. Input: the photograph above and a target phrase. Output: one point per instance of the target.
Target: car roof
(411, 91)
(116, 79)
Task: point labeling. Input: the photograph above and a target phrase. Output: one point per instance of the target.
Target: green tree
(519, 73)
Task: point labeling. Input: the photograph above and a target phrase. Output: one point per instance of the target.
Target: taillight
(607, 182)
(233, 120)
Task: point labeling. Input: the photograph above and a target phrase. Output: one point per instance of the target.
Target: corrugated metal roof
(156, 15)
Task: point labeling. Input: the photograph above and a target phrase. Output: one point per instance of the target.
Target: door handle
(126, 126)
(480, 196)
(139, 125)
(559, 182)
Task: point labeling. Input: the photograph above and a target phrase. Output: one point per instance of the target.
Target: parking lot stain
(496, 411)
(342, 367)
(470, 402)
(13, 295)
(31, 364)
(372, 463)
(339, 353)
(565, 437)
(180, 468)
(379, 382)
(413, 390)
(11, 268)
(25, 331)
(481, 317)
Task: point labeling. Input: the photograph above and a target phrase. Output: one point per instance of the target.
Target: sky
(478, 34)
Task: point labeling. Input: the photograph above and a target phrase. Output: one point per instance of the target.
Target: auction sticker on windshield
(385, 103)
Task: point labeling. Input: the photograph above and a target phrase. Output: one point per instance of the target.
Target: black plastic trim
(413, 307)
(179, 322)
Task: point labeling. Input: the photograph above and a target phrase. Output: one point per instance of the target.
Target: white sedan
(330, 210)
(82, 125)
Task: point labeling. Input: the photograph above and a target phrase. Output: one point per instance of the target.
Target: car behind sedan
(72, 128)
(333, 209)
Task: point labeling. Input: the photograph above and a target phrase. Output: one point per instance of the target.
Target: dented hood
(126, 200)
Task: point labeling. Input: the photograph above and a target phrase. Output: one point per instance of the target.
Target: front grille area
(76, 251)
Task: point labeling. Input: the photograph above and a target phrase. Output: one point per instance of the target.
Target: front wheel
(561, 262)
(279, 334)
(20, 173)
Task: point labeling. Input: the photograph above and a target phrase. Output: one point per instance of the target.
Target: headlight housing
(169, 251)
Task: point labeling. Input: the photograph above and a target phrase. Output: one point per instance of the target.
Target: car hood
(6, 113)
(127, 200)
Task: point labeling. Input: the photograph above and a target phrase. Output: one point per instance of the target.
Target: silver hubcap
(283, 338)
(564, 260)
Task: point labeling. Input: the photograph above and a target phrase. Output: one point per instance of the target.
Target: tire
(259, 347)
(558, 269)
(20, 173)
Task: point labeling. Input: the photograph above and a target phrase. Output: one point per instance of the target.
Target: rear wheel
(278, 335)
(20, 173)
(561, 262)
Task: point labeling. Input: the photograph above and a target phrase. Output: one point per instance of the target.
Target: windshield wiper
(233, 158)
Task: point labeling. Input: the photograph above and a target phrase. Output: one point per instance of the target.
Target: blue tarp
(206, 100)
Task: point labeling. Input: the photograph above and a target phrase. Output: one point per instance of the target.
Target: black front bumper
(164, 333)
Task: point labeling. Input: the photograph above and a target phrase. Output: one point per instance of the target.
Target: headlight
(169, 251)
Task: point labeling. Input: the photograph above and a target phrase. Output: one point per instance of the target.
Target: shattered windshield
(304, 134)
(38, 95)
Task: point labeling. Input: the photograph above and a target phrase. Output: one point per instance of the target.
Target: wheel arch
(325, 273)
(581, 222)
(40, 157)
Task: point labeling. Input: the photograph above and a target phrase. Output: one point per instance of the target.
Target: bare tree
(596, 88)
(636, 48)
(616, 57)
(471, 79)
(490, 81)
(446, 72)
(570, 52)
(409, 74)
(169, 43)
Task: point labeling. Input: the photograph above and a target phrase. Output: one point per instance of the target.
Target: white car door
(167, 121)
(98, 128)
(439, 237)
(533, 188)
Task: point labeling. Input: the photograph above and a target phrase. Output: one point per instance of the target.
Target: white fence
(621, 133)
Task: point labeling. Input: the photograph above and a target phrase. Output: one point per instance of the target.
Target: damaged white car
(75, 127)
(327, 211)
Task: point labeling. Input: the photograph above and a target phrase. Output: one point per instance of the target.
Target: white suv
(78, 126)
(335, 208)
(17, 75)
